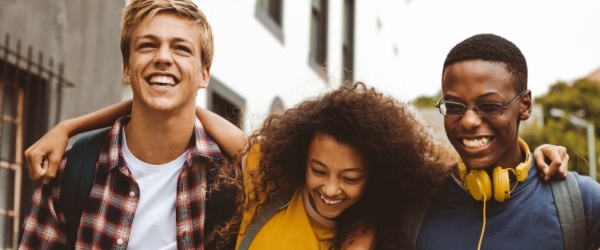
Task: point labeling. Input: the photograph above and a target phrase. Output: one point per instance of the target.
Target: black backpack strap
(78, 177)
(411, 221)
(569, 205)
(278, 201)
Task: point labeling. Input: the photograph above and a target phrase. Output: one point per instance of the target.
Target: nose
(163, 56)
(470, 119)
(332, 188)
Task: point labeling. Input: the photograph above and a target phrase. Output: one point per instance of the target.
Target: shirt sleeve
(44, 224)
(590, 193)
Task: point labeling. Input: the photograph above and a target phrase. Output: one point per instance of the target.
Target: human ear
(205, 77)
(126, 76)
(526, 106)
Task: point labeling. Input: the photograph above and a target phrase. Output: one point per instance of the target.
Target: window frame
(348, 40)
(318, 52)
(266, 12)
(217, 88)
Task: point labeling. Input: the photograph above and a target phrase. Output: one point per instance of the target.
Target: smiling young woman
(349, 154)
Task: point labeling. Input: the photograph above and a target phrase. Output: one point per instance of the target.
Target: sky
(559, 38)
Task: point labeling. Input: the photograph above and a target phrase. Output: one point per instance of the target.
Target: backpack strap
(569, 205)
(277, 202)
(77, 179)
(411, 221)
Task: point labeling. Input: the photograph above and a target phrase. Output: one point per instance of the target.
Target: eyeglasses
(482, 109)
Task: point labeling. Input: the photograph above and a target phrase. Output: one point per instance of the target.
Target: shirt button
(131, 194)
(120, 242)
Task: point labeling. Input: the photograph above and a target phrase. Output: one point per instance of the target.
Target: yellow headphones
(478, 181)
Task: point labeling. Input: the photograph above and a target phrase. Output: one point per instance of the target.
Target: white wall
(377, 53)
(252, 62)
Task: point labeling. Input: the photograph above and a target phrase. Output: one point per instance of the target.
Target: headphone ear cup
(501, 184)
(479, 185)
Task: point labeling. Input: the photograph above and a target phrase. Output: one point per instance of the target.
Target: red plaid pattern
(107, 217)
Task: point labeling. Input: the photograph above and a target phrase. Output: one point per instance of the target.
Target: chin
(163, 105)
(330, 216)
(477, 164)
(328, 213)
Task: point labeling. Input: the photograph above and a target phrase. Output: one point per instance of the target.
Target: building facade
(58, 59)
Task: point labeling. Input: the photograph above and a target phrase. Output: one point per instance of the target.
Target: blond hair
(136, 11)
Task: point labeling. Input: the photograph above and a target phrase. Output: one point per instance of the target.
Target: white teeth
(330, 202)
(476, 143)
(163, 80)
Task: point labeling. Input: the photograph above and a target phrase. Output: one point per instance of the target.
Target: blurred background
(60, 59)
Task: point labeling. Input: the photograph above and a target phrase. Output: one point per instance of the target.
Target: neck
(515, 158)
(157, 139)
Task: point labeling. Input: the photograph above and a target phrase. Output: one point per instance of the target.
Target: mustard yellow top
(290, 228)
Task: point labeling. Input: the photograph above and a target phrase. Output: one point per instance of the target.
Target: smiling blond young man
(494, 199)
(153, 172)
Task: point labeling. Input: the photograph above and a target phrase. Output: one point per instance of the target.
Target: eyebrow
(458, 99)
(155, 38)
(351, 169)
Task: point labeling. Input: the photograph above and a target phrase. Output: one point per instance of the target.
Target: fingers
(35, 163)
(552, 160)
(552, 169)
(564, 167)
(559, 163)
(51, 167)
(540, 160)
(44, 156)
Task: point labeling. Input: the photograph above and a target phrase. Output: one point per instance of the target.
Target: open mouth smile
(477, 143)
(330, 201)
(162, 80)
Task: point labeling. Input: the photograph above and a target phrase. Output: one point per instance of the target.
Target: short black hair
(493, 48)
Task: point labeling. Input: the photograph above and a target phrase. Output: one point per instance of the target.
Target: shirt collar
(201, 145)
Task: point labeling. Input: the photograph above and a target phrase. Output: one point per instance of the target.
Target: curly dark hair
(493, 48)
(403, 162)
(227, 183)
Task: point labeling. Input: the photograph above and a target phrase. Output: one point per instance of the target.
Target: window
(273, 8)
(11, 125)
(318, 34)
(225, 102)
(348, 41)
(270, 13)
(277, 106)
(24, 108)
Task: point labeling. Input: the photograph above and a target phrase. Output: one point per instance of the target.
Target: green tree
(427, 101)
(582, 99)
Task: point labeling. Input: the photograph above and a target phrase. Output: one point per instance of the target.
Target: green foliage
(427, 101)
(582, 99)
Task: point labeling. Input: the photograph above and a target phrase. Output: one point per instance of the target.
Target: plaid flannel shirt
(107, 217)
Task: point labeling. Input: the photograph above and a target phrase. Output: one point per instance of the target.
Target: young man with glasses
(493, 199)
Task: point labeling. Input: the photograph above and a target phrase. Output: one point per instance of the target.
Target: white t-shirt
(154, 223)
